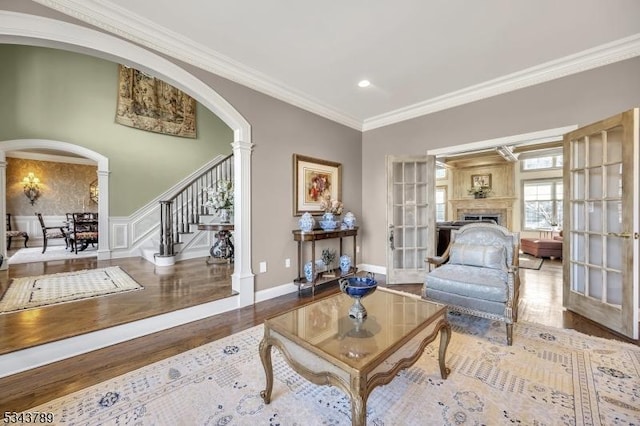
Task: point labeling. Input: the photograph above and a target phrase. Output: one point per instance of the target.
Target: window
(441, 173)
(542, 204)
(542, 162)
(441, 204)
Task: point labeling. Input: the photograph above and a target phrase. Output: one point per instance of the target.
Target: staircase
(180, 214)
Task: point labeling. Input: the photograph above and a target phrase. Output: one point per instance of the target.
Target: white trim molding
(618, 50)
(116, 20)
(524, 139)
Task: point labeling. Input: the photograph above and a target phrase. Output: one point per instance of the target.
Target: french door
(410, 217)
(601, 216)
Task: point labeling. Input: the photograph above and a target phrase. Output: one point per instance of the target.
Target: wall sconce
(31, 187)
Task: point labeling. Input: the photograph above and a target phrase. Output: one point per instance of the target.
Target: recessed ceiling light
(364, 83)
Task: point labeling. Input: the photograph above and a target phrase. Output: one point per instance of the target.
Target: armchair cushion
(470, 281)
(494, 257)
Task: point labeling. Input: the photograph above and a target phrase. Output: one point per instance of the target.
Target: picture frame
(314, 178)
(481, 180)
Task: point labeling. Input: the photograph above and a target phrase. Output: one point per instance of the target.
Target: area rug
(32, 292)
(548, 377)
(34, 254)
(527, 261)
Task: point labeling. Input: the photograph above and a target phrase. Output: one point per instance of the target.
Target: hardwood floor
(186, 284)
(189, 282)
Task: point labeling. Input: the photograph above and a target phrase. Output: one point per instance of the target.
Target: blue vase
(308, 273)
(345, 264)
(306, 222)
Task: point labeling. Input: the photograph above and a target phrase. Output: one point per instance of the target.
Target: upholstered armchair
(478, 274)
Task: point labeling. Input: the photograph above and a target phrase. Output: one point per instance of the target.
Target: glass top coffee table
(327, 347)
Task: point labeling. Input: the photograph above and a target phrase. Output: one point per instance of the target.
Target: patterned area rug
(530, 262)
(548, 377)
(33, 292)
(34, 254)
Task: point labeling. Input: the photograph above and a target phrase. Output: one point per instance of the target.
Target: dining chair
(15, 234)
(50, 232)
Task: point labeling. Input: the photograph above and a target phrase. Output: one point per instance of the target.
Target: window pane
(542, 201)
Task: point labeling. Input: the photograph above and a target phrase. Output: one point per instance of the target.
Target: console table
(312, 237)
(222, 248)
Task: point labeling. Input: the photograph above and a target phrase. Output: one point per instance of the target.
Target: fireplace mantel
(491, 205)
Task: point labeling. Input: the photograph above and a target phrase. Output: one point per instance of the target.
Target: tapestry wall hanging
(147, 103)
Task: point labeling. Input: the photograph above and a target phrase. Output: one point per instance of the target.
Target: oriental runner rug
(548, 377)
(33, 292)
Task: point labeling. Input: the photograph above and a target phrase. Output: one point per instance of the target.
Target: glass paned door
(601, 215)
(410, 217)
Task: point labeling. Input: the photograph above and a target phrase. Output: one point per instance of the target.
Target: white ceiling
(421, 56)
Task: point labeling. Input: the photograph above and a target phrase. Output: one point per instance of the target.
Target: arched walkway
(103, 180)
(18, 28)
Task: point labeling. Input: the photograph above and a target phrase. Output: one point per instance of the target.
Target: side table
(222, 248)
(317, 235)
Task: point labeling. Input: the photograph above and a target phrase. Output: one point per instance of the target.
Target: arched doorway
(18, 28)
(103, 179)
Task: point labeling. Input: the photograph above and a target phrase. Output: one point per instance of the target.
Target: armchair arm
(439, 260)
(436, 260)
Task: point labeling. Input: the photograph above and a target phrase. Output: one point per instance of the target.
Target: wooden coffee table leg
(265, 356)
(445, 336)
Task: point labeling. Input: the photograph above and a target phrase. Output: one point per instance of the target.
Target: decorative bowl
(328, 225)
(357, 288)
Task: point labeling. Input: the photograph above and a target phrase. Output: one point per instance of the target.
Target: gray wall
(579, 99)
(280, 130)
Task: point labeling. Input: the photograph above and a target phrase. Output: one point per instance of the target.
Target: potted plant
(479, 191)
(220, 199)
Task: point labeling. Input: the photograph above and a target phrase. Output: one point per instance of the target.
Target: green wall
(54, 94)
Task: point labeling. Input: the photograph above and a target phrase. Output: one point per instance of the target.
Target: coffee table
(327, 347)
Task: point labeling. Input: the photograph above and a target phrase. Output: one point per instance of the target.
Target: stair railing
(185, 208)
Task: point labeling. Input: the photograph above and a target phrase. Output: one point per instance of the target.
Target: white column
(104, 246)
(242, 279)
(3, 209)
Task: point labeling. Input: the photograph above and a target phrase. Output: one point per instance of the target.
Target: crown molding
(116, 20)
(37, 156)
(122, 23)
(605, 54)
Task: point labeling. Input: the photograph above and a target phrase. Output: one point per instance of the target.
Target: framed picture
(481, 180)
(314, 179)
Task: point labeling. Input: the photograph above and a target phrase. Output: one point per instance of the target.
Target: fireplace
(496, 217)
(499, 209)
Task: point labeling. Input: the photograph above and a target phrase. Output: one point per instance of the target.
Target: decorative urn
(349, 220)
(306, 222)
(357, 288)
(345, 264)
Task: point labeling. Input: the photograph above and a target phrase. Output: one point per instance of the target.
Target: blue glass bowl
(358, 286)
